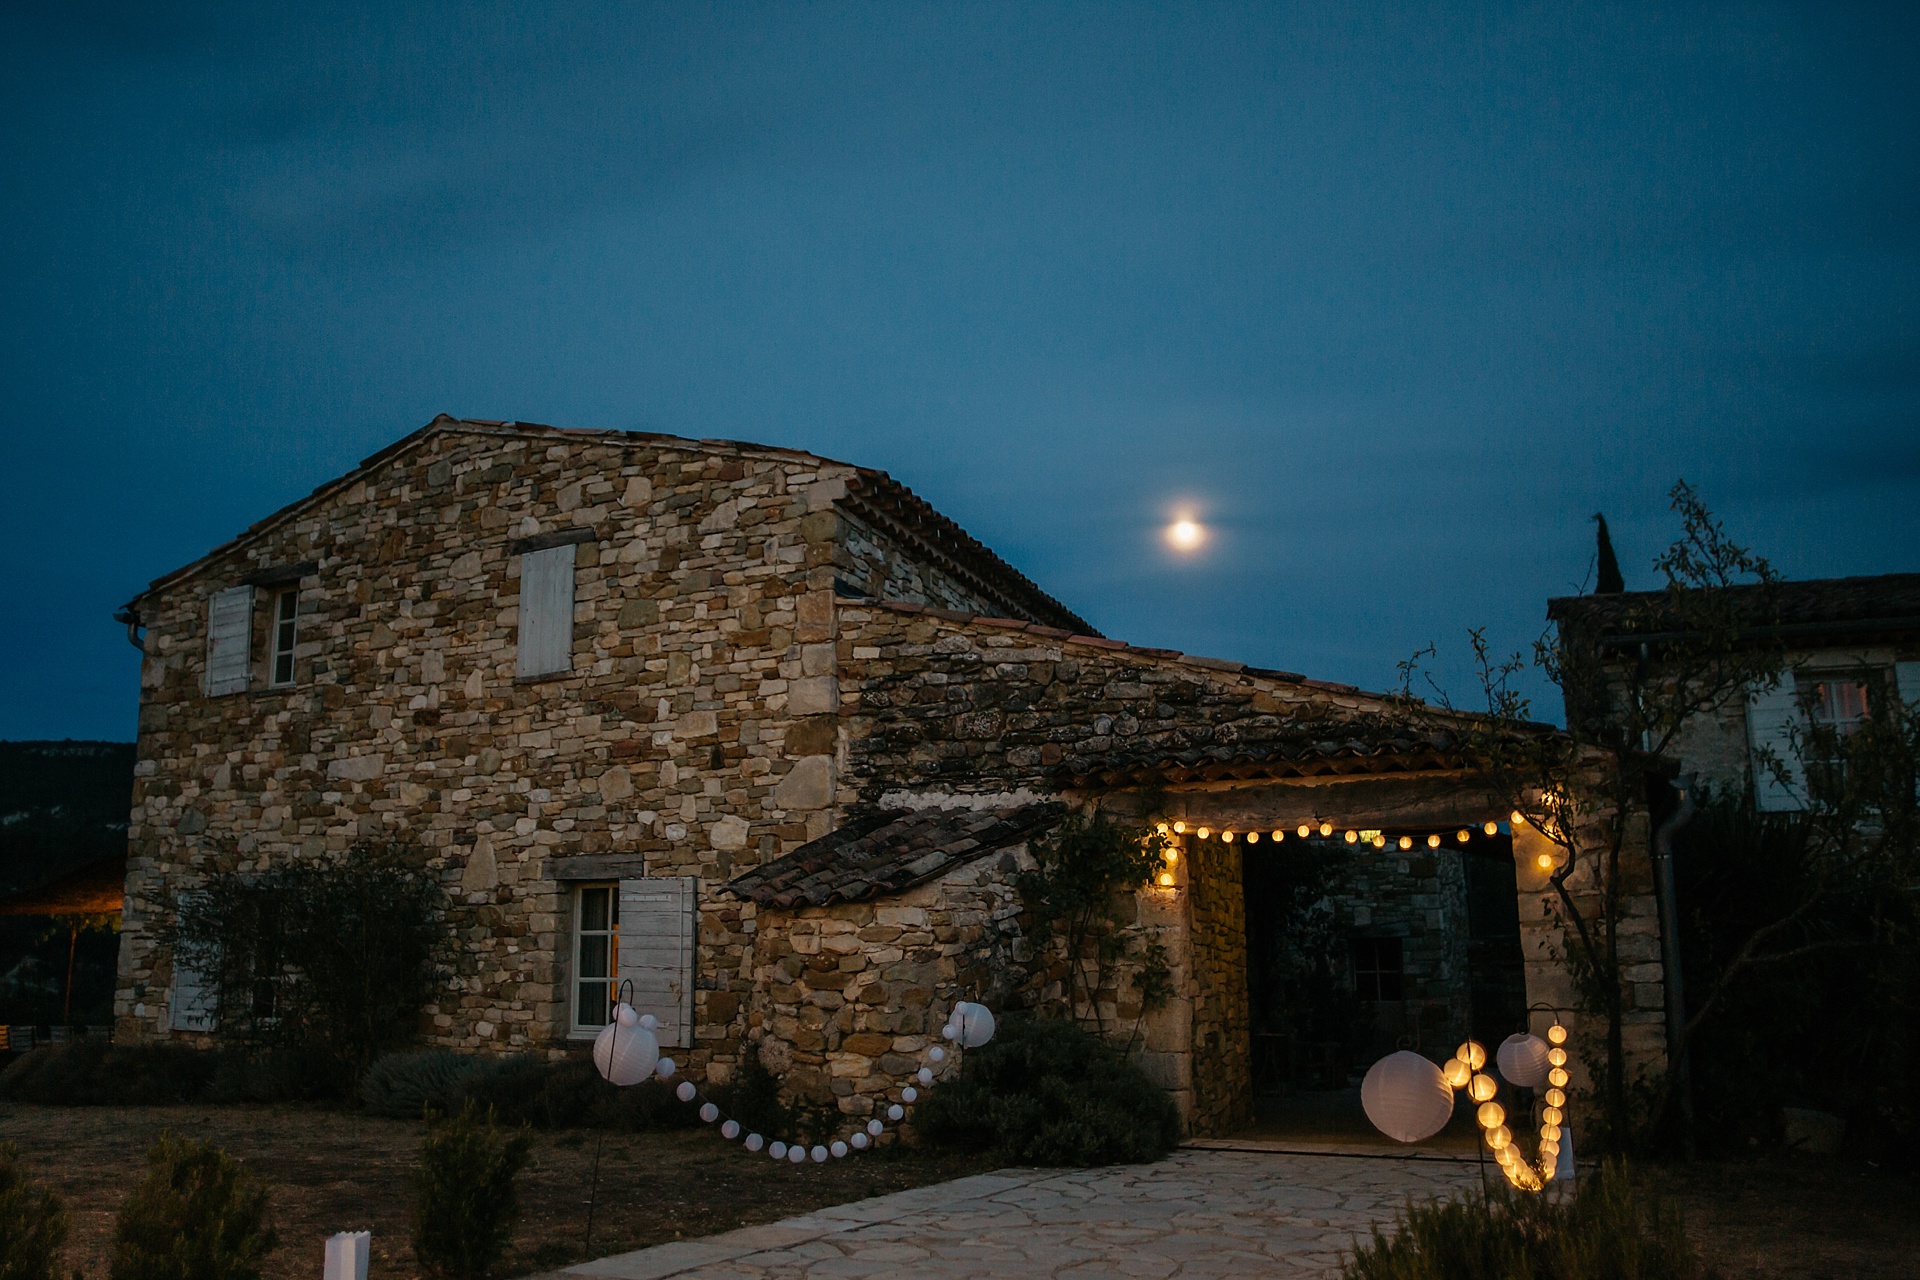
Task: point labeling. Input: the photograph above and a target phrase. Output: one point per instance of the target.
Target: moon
(1186, 534)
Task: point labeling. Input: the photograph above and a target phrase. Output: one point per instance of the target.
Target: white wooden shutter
(1906, 678)
(1774, 721)
(193, 1001)
(229, 639)
(546, 611)
(656, 951)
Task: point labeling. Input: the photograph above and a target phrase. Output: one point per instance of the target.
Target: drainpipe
(1676, 993)
(132, 620)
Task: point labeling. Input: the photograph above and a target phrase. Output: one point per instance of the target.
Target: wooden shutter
(656, 951)
(546, 611)
(1906, 679)
(229, 639)
(1774, 721)
(193, 1001)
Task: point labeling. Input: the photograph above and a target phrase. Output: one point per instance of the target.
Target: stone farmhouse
(766, 735)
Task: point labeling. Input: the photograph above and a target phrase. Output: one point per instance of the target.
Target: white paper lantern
(796, 1154)
(625, 1054)
(909, 1094)
(1406, 1097)
(859, 1140)
(686, 1092)
(665, 1069)
(924, 1076)
(755, 1142)
(974, 1023)
(875, 1128)
(730, 1130)
(819, 1154)
(838, 1149)
(778, 1151)
(950, 1031)
(1522, 1060)
(627, 1016)
(650, 1022)
(937, 1054)
(709, 1113)
(896, 1112)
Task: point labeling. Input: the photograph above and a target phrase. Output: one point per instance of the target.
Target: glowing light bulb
(1278, 836)
(1379, 842)
(1171, 855)
(1558, 1077)
(1463, 835)
(1203, 832)
(1551, 1115)
(1179, 828)
(1353, 837)
(1517, 818)
(1227, 836)
(1253, 837)
(1406, 842)
(1433, 842)
(1161, 828)
(1554, 1098)
(1557, 1056)
(1166, 879)
(1544, 862)
(1304, 830)
(1492, 828)
(1556, 1034)
(1186, 534)
(1326, 828)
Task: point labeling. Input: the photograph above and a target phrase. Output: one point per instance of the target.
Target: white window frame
(576, 977)
(286, 637)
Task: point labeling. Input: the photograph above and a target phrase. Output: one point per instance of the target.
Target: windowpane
(596, 949)
(1378, 973)
(593, 909)
(592, 1008)
(593, 956)
(285, 618)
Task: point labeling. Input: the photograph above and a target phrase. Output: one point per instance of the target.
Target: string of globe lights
(1410, 1099)
(627, 1052)
(1325, 829)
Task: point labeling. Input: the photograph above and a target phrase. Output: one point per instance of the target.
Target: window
(229, 639)
(1838, 703)
(1377, 969)
(596, 954)
(546, 612)
(286, 609)
(1835, 704)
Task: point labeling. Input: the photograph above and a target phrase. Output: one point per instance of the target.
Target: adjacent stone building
(765, 735)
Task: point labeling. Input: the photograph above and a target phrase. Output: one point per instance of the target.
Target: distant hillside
(62, 805)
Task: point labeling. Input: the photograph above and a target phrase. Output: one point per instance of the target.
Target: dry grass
(337, 1171)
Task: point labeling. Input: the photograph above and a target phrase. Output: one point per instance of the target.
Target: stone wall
(1222, 1065)
(695, 735)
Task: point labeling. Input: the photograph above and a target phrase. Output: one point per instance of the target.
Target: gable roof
(1814, 609)
(886, 853)
(872, 494)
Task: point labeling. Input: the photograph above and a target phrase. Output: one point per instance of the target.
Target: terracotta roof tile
(886, 853)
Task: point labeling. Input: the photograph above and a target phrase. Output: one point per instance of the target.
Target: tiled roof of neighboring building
(1289, 749)
(887, 852)
(873, 494)
(1821, 606)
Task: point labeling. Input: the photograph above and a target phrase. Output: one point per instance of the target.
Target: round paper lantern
(625, 1054)
(686, 1092)
(1556, 1057)
(1555, 1098)
(626, 1016)
(896, 1112)
(665, 1069)
(924, 1076)
(859, 1140)
(975, 1023)
(796, 1154)
(650, 1022)
(1523, 1060)
(1482, 1088)
(709, 1113)
(1500, 1137)
(875, 1128)
(909, 1094)
(1456, 1073)
(778, 1151)
(1557, 1034)
(1558, 1077)
(1406, 1097)
(937, 1054)
(1472, 1054)
(755, 1142)
(950, 1031)
(837, 1149)
(730, 1130)
(1491, 1115)
(819, 1154)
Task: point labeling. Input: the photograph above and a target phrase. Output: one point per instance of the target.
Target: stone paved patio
(1222, 1210)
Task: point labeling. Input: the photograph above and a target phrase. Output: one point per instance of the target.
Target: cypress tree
(1610, 582)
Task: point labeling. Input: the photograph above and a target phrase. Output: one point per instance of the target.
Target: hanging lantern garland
(626, 1052)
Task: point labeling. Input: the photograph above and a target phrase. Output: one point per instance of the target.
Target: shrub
(522, 1089)
(90, 1073)
(467, 1206)
(403, 1085)
(330, 962)
(1607, 1230)
(32, 1225)
(1050, 1093)
(198, 1216)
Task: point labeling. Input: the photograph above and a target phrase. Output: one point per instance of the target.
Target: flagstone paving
(1220, 1211)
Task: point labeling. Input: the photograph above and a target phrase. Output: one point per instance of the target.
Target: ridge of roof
(1808, 603)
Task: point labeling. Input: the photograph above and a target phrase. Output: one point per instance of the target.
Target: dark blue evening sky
(1393, 298)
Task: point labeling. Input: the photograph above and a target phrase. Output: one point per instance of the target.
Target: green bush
(198, 1216)
(1607, 1230)
(32, 1225)
(91, 1073)
(464, 1217)
(1049, 1093)
(521, 1089)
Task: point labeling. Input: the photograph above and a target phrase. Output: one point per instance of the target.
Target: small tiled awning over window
(888, 852)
